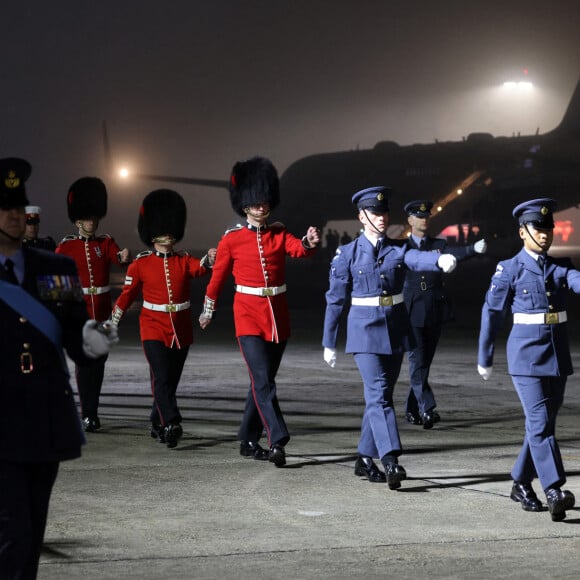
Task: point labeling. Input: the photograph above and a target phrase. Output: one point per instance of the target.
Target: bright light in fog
(123, 173)
(518, 85)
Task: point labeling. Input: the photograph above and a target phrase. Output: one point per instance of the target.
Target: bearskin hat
(87, 198)
(162, 212)
(254, 181)
(13, 173)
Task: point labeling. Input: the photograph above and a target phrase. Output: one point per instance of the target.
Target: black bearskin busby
(13, 173)
(252, 182)
(163, 212)
(87, 198)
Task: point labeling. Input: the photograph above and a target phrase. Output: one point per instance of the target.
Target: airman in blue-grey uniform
(429, 309)
(369, 273)
(533, 287)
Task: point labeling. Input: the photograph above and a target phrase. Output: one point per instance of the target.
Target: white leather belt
(377, 300)
(540, 318)
(273, 291)
(96, 290)
(166, 307)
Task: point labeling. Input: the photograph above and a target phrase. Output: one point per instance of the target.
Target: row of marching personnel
(52, 303)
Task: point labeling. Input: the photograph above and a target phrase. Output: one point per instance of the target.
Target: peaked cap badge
(12, 181)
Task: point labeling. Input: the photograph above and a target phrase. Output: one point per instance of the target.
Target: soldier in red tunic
(163, 277)
(93, 254)
(255, 254)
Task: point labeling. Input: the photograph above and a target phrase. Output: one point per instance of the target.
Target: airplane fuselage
(504, 171)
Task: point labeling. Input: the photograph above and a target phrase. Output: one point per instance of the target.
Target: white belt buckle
(267, 291)
(385, 300)
(552, 318)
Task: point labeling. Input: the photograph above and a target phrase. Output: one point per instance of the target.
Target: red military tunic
(165, 283)
(256, 257)
(93, 257)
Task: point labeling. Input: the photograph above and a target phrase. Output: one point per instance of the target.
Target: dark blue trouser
(421, 398)
(262, 410)
(89, 384)
(541, 399)
(165, 368)
(25, 490)
(379, 431)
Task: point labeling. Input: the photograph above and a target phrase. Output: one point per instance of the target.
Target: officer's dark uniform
(33, 219)
(538, 352)
(39, 424)
(429, 309)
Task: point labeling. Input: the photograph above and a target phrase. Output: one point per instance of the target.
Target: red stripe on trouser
(252, 386)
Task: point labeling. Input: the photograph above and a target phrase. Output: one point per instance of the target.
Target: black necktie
(422, 243)
(541, 261)
(9, 274)
(378, 246)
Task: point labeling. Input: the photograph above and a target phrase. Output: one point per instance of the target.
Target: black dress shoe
(253, 449)
(157, 432)
(172, 433)
(277, 455)
(558, 502)
(395, 474)
(366, 467)
(524, 493)
(428, 419)
(436, 416)
(91, 424)
(570, 499)
(413, 418)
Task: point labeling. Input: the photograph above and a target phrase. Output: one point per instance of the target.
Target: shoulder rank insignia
(236, 228)
(143, 254)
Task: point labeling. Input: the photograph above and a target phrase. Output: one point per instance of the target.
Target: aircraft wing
(220, 183)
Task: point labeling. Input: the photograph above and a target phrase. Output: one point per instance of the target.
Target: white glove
(330, 357)
(98, 338)
(447, 262)
(484, 372)
(480, 246)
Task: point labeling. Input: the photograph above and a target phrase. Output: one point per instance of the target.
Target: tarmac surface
(131, 508)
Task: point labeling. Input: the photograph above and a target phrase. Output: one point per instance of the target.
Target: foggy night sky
(188, 87)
